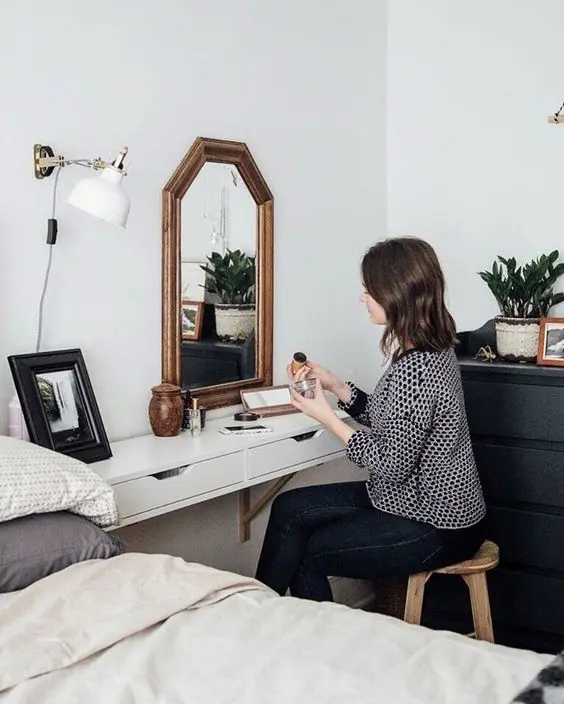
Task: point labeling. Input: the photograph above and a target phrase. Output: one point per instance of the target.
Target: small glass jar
(195, 419)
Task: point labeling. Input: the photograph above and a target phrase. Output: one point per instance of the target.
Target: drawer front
(163, 488)
(522, 474)
(518, 600)
(507, 410)
(528, 539)
(280, 454)
(527, 600)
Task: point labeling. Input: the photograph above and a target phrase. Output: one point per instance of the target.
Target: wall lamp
(101, 196)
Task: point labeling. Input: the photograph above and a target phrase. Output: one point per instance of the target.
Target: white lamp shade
(102, 196)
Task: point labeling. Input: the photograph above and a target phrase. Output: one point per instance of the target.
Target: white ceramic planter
(234, 323)
(517, 338)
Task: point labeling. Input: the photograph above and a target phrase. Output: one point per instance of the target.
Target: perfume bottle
(195, 419)
(17, 427)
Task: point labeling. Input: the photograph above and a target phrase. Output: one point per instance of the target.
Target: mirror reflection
(218, 278)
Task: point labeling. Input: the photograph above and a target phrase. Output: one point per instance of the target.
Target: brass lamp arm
(46, 161)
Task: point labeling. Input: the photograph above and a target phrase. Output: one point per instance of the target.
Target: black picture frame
(59, 405)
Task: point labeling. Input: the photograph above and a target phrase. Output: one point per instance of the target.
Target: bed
(139, 628)
(82, 620)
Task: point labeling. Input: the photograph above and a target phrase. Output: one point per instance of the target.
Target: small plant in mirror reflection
(231, 276)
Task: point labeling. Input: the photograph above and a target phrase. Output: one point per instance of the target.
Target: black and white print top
(418, 451)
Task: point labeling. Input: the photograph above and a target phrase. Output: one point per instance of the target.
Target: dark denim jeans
(333, 530)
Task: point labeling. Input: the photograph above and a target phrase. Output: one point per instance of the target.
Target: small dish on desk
(267, 401)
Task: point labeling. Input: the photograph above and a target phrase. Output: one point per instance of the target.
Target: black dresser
(516, 417)
(211, 361)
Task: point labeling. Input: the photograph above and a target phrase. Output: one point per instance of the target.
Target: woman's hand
(310, 369)
(328, 380)
(317, 407)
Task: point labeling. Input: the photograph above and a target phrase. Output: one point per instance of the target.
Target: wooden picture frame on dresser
(206, 150)
(550, 352)
(192, 329)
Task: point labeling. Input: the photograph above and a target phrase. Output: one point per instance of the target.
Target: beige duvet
(146, 629)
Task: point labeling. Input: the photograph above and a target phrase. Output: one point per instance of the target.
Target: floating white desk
(152, 475)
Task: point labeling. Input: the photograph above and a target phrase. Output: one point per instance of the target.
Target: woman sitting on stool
(422, 506)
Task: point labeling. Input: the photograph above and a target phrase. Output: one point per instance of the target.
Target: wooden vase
(165, 410)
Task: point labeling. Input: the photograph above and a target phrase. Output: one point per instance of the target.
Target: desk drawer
(163, 488)
(280, 454)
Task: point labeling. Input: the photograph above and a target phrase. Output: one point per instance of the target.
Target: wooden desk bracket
(247, 512)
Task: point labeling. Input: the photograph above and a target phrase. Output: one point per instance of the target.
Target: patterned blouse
(418, 450)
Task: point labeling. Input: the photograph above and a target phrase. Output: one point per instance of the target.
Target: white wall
(303, 83)
(473, 165)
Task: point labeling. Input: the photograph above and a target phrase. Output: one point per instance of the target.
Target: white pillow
(34, 479)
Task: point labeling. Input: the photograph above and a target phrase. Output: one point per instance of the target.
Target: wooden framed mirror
(217, 324)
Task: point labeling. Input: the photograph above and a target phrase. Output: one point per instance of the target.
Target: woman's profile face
(375, 310)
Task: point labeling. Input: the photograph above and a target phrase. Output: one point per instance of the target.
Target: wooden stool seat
(473, 572)
(485, 559)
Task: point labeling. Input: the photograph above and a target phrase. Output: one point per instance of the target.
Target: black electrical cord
(51, 239)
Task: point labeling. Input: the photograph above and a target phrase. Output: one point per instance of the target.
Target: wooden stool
(473, 572)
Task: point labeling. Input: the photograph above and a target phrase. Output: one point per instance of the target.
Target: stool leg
(480, 601)
(414, 597)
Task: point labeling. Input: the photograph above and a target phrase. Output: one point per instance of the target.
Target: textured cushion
(34, 479)
(34, 546)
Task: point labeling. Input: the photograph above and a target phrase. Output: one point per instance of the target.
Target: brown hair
(404, 276)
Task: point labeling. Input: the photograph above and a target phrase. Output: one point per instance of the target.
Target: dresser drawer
(521, 474)
(164, 488)
(523, 600)
(518, 600)
(528, 539)
(512, 410)
(281, 454)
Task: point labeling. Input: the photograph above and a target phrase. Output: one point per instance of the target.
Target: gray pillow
(31, 547)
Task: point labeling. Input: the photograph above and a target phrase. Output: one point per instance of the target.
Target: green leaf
(525, 290)
(232, 276)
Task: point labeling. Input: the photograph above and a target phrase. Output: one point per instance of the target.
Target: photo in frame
(550, 350)
(192, 313)
(59, 405)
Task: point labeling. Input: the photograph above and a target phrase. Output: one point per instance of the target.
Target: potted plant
(232, 278)
(524, 294)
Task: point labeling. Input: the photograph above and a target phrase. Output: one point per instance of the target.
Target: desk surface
(148, 454)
